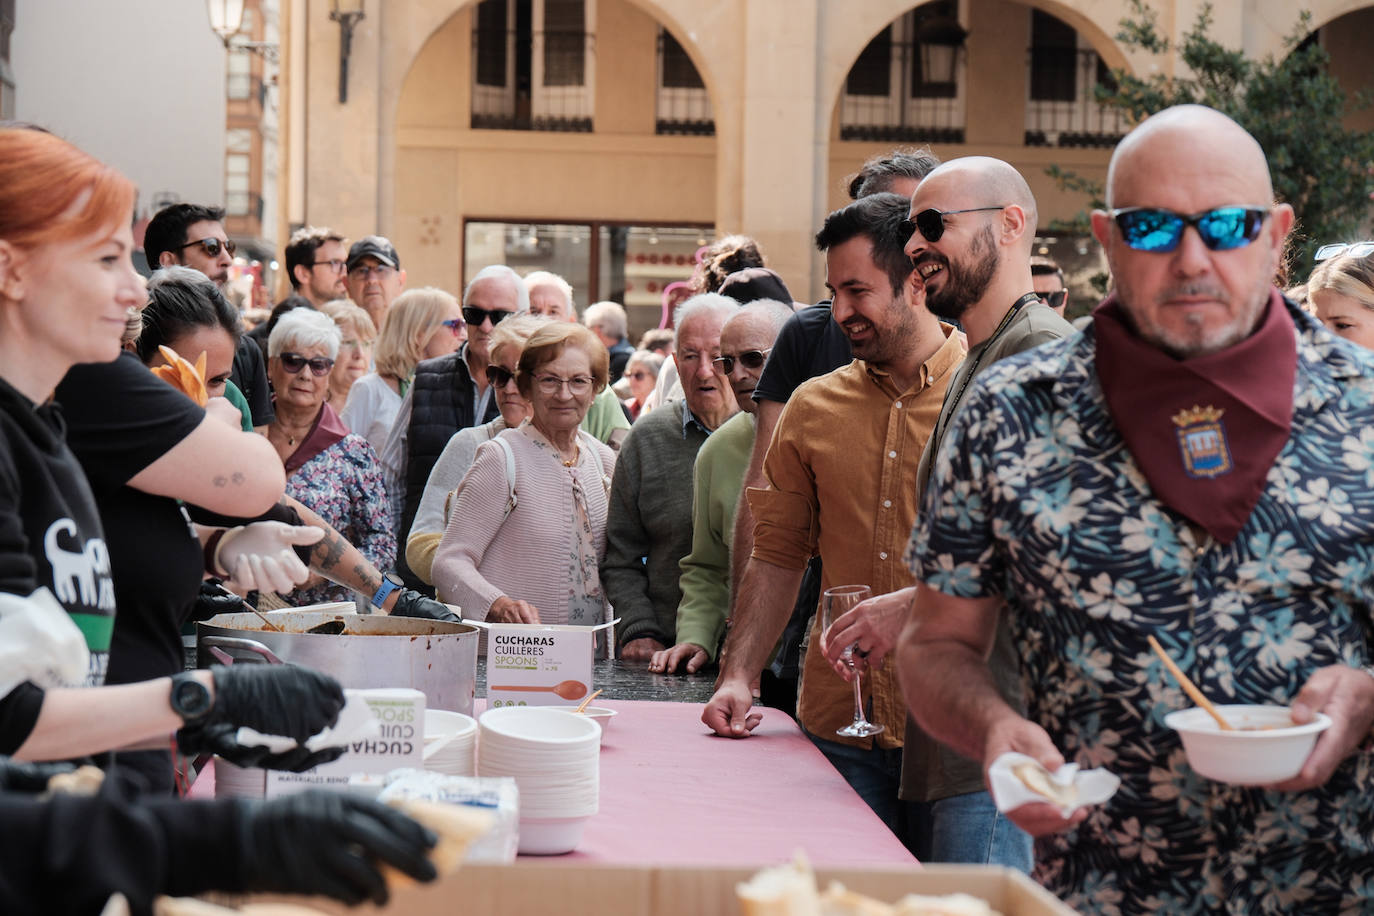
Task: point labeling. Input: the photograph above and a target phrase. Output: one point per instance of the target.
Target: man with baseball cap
(374, 276)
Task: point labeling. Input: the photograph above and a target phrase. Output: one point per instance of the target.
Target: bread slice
(458, 827)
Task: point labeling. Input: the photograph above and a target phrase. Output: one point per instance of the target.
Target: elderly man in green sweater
(649, 524)
(718, 476)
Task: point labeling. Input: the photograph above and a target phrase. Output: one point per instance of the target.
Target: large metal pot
(374, 651)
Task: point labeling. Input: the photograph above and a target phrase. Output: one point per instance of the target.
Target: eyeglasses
(1157, 230)
(578, 385)
(499, 376)
(212, 246)
(749, 359)
(363, 271)
(358, 345)
(931, 223)
(638, 374)
(335, 265)
(294, 362)
(475, 316)
(455, 325)
(1354, 249)
(1056, 299)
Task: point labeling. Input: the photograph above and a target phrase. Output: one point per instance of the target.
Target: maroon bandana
(1205, 430)
(329, 428)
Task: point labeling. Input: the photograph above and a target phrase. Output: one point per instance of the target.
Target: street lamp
(346, 13)
(940, 37)
(226, 18)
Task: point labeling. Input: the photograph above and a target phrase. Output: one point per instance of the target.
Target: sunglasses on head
(455, 325)
(475, 316)
(931, 223)
(294, 362)
(1354, 249)
(1055, 299)
(749, 359)
(212, 246)
(1158, 230)
(499, 376)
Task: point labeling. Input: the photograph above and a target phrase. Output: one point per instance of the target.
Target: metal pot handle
(247, 645)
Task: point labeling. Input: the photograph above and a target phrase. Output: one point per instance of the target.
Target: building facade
(606, 139)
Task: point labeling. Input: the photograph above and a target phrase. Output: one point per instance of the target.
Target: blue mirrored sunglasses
(1159, 230)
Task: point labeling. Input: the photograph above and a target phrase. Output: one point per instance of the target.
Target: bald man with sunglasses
(1191, 467)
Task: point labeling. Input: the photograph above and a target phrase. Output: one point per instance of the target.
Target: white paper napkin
(1090, 787)
(355, 722)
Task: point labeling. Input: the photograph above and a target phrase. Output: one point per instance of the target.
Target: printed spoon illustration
(568, 690)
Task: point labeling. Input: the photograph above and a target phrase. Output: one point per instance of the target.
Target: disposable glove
(259, 556)
(331, 843)
(410, 603)
(273, 699)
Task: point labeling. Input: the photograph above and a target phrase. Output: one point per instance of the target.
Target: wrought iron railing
(1062, 109)
(532, 80)
(682, 104)
(887, 97)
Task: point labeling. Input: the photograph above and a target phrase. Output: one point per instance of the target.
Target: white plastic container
(1263, 748)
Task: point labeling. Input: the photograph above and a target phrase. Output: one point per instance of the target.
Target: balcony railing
(532, 81)
(682, 105)
(887, 99)
(1062, 109)
(246, 204)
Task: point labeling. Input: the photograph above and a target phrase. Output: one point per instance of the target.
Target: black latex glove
(273, 699)
(214, 600)
(19, 776)
(330, 843)
(410, 603)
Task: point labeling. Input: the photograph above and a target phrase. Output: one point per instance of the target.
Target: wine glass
(834, 603)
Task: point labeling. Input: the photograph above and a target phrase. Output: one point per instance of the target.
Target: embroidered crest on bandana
(1202, 441)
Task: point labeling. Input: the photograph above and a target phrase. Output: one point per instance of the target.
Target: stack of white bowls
(238, 782)
(555, 760)
(450, 742)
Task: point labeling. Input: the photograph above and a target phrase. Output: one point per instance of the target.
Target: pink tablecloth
(673, 793)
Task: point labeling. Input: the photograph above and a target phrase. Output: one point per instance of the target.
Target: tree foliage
(1292, 105)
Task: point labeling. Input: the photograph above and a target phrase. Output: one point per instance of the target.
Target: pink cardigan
(527, 558)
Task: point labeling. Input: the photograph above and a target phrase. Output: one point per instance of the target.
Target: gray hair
(646, 358)
(776, 312)
(713, 304)
(609, 316)
(548, 278)
(522, 295)
(304, 328)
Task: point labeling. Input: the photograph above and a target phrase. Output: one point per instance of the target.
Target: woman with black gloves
(69, 853)
(66, 284)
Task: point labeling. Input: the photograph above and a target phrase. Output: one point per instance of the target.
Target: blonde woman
(1341, 294)
(422, 324)
(355, 351)
(507, 343)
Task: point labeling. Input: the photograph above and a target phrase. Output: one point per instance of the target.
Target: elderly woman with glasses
(641, 371)
(355, 349)
(507, 342)
(528, 523)
(328, 469)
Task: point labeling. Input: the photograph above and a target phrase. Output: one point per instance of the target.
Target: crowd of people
(1021, 494)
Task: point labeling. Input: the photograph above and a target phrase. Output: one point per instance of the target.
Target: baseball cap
(374, 246)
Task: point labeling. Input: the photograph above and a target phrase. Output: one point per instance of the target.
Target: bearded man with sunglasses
(1193, 467)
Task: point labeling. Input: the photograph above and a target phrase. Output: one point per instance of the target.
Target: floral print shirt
(1036, 499)
(344, 485)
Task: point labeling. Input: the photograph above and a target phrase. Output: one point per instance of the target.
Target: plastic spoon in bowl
(568, 690)
(1188, 686)
(583, 705)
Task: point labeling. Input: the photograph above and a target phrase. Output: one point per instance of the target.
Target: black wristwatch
(190, 698)
(389, 584)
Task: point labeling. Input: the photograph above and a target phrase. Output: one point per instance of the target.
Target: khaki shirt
(842, 467)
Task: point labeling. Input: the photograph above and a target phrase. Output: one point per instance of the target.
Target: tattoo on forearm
(368, 581)
(329, 551)
(237, 478)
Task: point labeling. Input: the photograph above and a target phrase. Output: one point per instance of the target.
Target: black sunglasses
(749, 359)
(499, 376)
(212, 246)
(475, 316)
(294, 362)
(1055, 299)
(1157, 230)
(931, 223)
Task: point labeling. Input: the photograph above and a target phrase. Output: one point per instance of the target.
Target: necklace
(569, 462)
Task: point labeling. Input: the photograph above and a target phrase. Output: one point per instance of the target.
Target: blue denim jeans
(961, 828)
